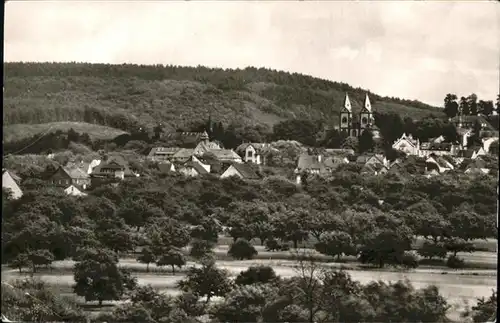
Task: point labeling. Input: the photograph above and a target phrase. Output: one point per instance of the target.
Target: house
(256, 153)
(192, 168)
(479, 152)
(467, 122)
(438, 163)
(477, 166)
(373, 159)
(373, 169)
(487, 143)
(439, 149)
(347, 151)
(226, 156)
(74, 191)
(162, 153)
(113, 169)
(11, 182)
(66, 176)
(316, 164)
(166, 167)
(243, 171)
(182, 155)
(407, 144)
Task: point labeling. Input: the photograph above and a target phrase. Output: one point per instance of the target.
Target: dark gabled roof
(158, 151)
(197, 167)
(183, 153)
(245, 171)
(117, 162)
(307, 162)
(224, 154)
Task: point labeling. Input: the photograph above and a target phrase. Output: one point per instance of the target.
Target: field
(458, 287)
(22, 131)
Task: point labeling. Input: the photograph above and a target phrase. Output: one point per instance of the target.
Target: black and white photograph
(250, 161)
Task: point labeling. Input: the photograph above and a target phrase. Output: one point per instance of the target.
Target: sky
(409, 49)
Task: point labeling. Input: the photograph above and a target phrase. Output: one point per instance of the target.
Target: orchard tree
(200, 248)
(146, 257)
(207, 281)
(171, 257)
(336, 243)
(290, 226)
(98, 277)
(242, 249)
(40, 257)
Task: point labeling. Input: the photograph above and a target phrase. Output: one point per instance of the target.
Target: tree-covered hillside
(124, 96)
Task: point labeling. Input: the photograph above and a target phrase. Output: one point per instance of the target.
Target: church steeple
(368, 105)
(347, 103)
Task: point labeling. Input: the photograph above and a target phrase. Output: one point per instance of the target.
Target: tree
(39, 257)
(256, 275)
(98, 277)
(486, 107)
(432, 249)
(242, 249)
(456, 245)
(290, 226)
(366, 142)
(335, 243)
(244, 304)
(146, 257)
(386, 245)
(485, 310)
(450, 105)
(171, 257)
(20, 261)
(350, 143)
(464, 106)
(208, 281)
(472, 103)
(200, 248)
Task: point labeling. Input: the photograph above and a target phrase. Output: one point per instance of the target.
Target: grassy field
(458, 289)
(22, 131)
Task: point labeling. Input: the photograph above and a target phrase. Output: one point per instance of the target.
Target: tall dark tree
(472, 102)
(464, 106)
(366, 142)
(450, 105)
(486, 107)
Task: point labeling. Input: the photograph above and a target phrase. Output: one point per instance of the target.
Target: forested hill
(123, 96)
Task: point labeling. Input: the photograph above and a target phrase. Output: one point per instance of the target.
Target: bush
(455, 262)
(275, 245)
(255, 275)
(242, 249)
(409, 260)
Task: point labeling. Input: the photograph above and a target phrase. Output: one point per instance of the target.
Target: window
(249, 154)
(364, 120)
(344, 120)
(354, 133)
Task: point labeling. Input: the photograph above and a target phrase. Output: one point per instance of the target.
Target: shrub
(242, 249)
(274, 245)
(455, 262)
(255, 275)
(409, 260)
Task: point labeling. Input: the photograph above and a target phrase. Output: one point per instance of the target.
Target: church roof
(347, 103)
(368, 105)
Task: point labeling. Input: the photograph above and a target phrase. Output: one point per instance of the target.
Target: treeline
(469, 106)
(225, 79)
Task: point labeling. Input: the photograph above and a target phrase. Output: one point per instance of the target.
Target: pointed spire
(368, 105)
(347, 103)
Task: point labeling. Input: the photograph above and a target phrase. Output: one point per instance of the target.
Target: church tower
(366, 115)
(346, 116)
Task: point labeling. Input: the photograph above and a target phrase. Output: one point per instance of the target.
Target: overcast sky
(414, 50)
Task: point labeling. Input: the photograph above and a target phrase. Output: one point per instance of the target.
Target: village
(246, 162)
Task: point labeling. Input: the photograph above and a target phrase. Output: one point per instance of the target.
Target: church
(353, 124)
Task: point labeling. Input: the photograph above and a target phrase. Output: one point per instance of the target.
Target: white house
(10, 181)
(438, 163)
(480, 152)
(72, 190)
(255, 153)
(243, 171)
(407, 144)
